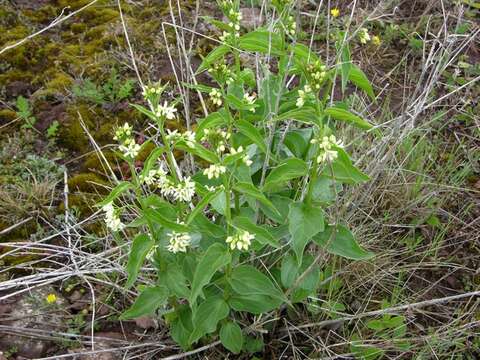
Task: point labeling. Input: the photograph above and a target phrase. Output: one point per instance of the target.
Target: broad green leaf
(200, 151)
(262, 235)
(214, 55)
(151, 160)
(116, 192)
(358, 77)
(212, 121)
(247, 280)
(255, 304)
(147, 302)
(250, 190)
(341, 242)
(341, 114)
(140, 247)
(305, 221)
(202, 204)
(289, 270)
(346, 65)
(305, 114)
(205, 226)
(282, 204)
(176, 281)
(252, 133)
(309, 284)
(158, 216)
(231, 337)
(325, 189)
(303, 54)
(343, 170)
(145, 111)
(289, 169)
(212, 260)
(296, 143)
(207, 316)
(262, 41)
(181, 326)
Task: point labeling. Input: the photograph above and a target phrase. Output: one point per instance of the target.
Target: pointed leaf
(341, 114)
(231, 337)
(147, 302)
(289, 169)
(140, 247)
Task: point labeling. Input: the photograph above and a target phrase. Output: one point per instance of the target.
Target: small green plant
(52, 130)
(268, 166)
(112, 91)
(25, 113)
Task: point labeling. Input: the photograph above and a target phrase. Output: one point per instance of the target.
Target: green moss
(78, 28)
(87, 182)
(15, 75)
(71, 135)
(93, 163)
(94, 16)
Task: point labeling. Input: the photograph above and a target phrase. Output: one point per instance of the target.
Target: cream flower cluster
(112, 220)
(150, 91)
(246, 159)
(214, 171)
(326, 144)
(233, 25)
(127, 146)
(157, 177)
(241, 240)
(363, 35)
(166, 111)
(221, 71)
(250, 100)
(291, 26)
(188, 137)
(183, 191)
(178, 242)
(216, 97)
(316, 73)
(303, 95)
(217, 137)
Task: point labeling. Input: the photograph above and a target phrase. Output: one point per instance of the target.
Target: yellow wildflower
(335, 12)
(51, 298)
(376, 40)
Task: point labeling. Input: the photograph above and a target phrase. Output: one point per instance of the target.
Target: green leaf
(341, 114)
(262, 235)
(342, 243)
(202, 204)
(247, 280)
(181, 326)
(252, 133)
(303, 54)
(23, 107)
(231, 337)
(255, 304)
(176, 281)
(250, 190)
(343, 170)
(151, 160)
(207, 316)
(305, 114)
(116, 192)
(145, 111)
(147, 302)
(200, 151)
(289, 270)
(358, 77)
(214, 55)
(305, 221)
(346, 65)
(212, 260)
(158, 216)
(287, 170)
(140, 247)
(262, 41)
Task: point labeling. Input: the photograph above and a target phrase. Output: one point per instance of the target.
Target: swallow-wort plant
(237, 234)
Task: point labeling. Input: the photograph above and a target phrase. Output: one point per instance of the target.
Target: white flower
(185, 190)
(178, 242)
(214, 171)
(166, 111)
(130, 148)
(250, 100)
(123, 132)
(246, 160)
(302, 95)
(112, 220)
(363, 35)
(189, 138)
(238, 150)
(157, 177)
(216, 97)
(241, 240)
(327, 154)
